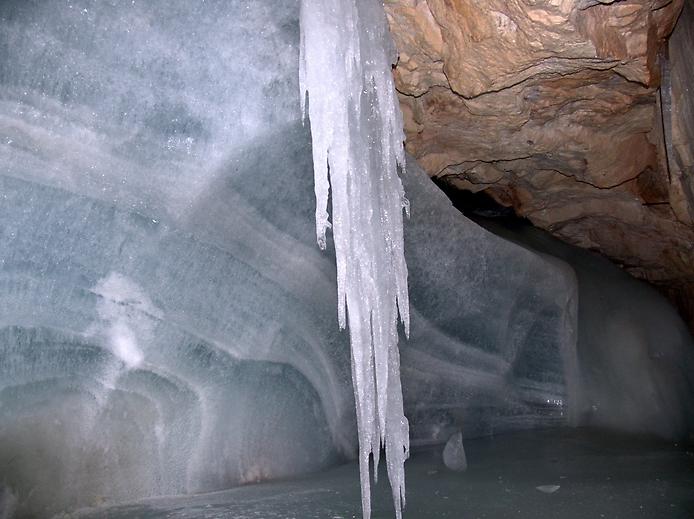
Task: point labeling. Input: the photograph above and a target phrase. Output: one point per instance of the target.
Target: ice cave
(499, 307)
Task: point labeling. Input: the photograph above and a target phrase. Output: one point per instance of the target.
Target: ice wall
(634, 361)
(166, 319)
(624, 361)
(493, 326)
(167, 323)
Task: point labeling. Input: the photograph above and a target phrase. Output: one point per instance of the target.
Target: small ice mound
(548, 489)
(454, 453)
(256, 473)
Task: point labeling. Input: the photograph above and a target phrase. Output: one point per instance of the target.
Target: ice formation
(166, 321)
(356, 127)
(454, 453)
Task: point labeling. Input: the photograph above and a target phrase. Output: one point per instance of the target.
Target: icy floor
(598, 474)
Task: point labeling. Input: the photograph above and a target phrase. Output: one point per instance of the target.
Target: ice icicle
(356, 127)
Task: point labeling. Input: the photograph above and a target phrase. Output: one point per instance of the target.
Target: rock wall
(681, 150)
(552, 107)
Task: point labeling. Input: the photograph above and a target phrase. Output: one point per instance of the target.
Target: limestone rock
(552, 107)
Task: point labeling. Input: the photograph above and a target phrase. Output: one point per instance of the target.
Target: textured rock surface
(552, 107)
(681, 152)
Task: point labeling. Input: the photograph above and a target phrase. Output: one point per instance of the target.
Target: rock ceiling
(553, 107)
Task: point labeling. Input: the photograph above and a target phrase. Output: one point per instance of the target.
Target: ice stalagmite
(356, 127)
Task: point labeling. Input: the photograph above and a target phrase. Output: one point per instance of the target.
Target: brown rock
(552, 107)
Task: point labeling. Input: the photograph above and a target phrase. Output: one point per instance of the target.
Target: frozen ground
(599, 475)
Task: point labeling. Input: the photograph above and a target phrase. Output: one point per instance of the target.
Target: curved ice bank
(529, 332)
(634, 363)
(167, 324)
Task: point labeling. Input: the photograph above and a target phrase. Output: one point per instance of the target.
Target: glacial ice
(167, 323)
(633, 366)
(356, 127)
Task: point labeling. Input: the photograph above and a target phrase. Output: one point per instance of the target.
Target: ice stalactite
(356, 127)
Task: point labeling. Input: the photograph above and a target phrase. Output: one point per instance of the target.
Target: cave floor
(599, 475)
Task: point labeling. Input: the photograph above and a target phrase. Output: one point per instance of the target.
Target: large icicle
(356, 127)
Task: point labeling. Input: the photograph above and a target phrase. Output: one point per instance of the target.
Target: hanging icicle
(356, 127)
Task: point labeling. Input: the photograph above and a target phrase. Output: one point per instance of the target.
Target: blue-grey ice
(454, 453)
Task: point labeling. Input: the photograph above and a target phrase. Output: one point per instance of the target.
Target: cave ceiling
(554, 108)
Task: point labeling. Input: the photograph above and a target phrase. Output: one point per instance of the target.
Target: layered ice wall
(634, 360)
(493, 326)
(572, 339)
(167, 324)
(166, 320)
